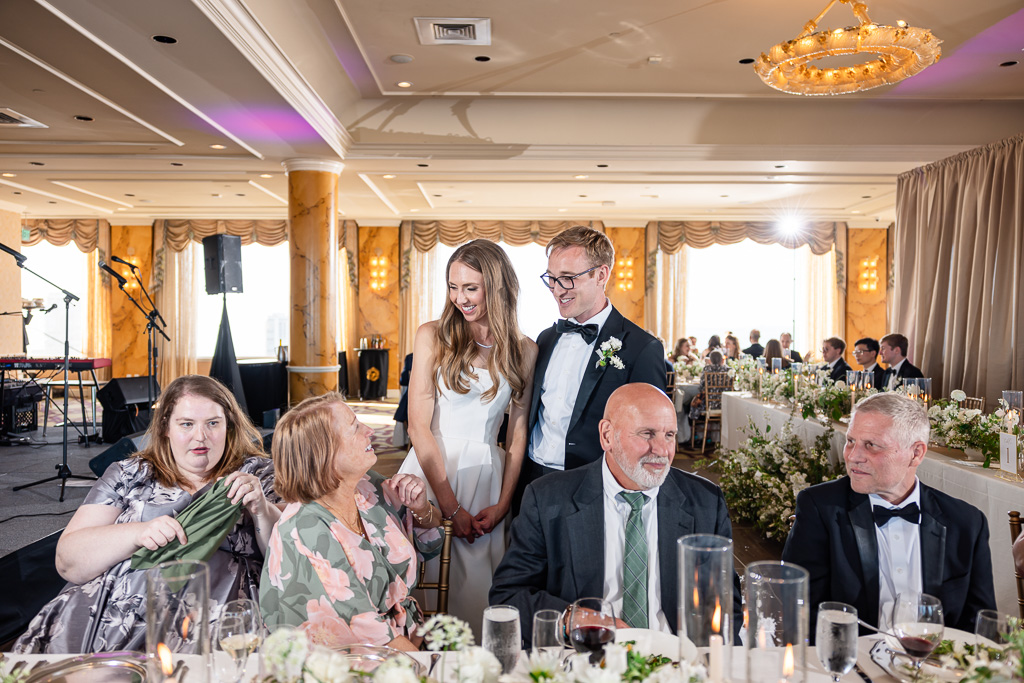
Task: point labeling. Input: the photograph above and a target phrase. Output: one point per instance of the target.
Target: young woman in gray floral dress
(198, 435)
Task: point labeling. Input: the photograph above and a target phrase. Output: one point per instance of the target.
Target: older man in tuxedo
(879, 532)
(609, 529)
(892, 349)
(786, 339)
(582, 358)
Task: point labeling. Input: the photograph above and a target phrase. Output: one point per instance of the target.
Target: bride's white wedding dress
(466, 431)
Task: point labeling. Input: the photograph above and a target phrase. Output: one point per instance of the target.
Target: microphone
(47, 310)
(16, 254)
(123, 262)
(121, 282)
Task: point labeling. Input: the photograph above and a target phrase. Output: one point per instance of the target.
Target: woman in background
(732, 347)
(714, 344)
(683, 353)
(773, 349)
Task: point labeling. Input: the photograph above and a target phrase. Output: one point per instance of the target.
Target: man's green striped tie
(634, 563)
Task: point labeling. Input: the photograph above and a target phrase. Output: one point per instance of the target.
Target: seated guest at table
(714, 344)
(832, 353)
(341, 564)
(732, 347)
(573, 538)
(683, 353)
(892, 350)
(879, 532)
(709, 398)
(198, 435)
(786, 339)
(865, 352)
(755, 350)
(774, 350)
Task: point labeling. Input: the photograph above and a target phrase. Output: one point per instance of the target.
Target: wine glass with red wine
(591, 627)
(917, 622)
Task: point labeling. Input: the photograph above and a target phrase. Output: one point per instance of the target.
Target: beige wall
(865, 309)
(378, 309)
(129, 326)
(10, 285)
(629, 244)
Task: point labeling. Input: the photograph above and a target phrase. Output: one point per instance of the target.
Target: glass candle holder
(777, 622)
(1014, 404)
(705, 598)
(776, 366)
(177, 619)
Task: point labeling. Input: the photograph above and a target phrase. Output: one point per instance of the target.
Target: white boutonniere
(606, 354)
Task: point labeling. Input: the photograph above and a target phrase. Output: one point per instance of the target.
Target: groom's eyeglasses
(564, 281)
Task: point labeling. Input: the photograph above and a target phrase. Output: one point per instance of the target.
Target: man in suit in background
(609, 529)
(865, 352)
(786, 339)
(755, 350)
(879, 532)
(574, 378)
(832, 353)
(892, 349)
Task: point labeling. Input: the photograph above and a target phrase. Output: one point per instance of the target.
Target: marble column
(313, 242)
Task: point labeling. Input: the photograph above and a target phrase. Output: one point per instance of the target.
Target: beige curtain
(85, 233)
(175, 286)
(348, 303)
(665, 294)
(959, 255)
(826, 302)
(415, 303)
(99, 330)
(672, 235)
(180, 232)
(423, 235)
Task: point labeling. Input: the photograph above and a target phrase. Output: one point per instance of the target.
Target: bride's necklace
(356, 526)
(484, 346)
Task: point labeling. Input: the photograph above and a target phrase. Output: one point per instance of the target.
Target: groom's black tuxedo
(644, 358)
(834, 539)
(907, 371)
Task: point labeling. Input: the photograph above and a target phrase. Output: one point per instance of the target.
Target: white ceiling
(570, 89)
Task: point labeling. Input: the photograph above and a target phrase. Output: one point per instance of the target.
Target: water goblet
(917, 622)
(502, 636)
(992, 631)
(591, 627)
(836, 638)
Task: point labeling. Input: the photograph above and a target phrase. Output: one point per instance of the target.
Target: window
(259, 315)
(66, 267)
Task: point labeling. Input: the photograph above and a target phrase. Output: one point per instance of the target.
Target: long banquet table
(983, 488)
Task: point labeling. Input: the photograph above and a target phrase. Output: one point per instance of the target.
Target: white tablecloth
(982, 488)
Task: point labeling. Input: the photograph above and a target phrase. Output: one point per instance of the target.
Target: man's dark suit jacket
(838, 373)
(644, 358)
(879, 373)
(794, 356)
(834, 539)
(906, 371)
(556, 550)
(755, 350)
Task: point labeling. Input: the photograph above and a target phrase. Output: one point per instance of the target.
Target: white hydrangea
(324, 666)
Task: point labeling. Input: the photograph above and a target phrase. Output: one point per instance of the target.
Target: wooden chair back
(441, 584)
(1014, 533)
(670, 383)
(972, 403)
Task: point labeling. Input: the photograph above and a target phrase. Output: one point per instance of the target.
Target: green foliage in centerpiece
(957, 427)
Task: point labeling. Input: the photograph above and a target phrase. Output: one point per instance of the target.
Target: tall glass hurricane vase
(177, 619)
(777, 622)
(705, 598)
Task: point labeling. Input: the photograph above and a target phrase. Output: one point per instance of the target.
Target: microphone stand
(150, 326)
(63, 471)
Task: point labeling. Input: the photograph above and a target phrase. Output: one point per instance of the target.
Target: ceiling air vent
(12, 119)
(447, 31)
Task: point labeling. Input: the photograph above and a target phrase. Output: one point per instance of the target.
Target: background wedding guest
(714, 344)
(732, 347)
(709, 398)
(786, 339)
(755, 349)
(468, 368)
(574, 376)
(892, 350)
(694, 347)
(683, 352)
(198, 435)
(865, 352)
(878, 531)
(774, 350)
(572, 538)
(832, 350)
(341, 564)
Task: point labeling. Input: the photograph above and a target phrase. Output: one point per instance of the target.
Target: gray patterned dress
(108, 613)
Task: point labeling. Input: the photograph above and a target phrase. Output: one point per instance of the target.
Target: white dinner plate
(657, 643)
(901, 668)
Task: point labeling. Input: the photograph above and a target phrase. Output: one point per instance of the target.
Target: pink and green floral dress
(340, 587)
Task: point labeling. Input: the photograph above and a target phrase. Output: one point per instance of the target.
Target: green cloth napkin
(206, 521)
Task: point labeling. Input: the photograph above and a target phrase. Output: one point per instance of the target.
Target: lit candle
(787, 664)
(166, 662)
(715, 644)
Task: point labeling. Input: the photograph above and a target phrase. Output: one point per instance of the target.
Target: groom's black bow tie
(882, 515)
(588, 331)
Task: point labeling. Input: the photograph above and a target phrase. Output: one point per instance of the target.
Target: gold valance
(673, 235)
(265, 232)
(426, 234)
(85, 233)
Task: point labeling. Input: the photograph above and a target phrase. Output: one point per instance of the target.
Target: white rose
(957, 395)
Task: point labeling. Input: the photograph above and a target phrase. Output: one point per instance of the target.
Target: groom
(582, 359)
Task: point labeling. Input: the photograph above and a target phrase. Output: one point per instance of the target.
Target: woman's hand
(411, 492)
(465, 526)
(489, 517)
(158, 532)
(246, 488)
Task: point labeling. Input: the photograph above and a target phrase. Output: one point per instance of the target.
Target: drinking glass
(177, 618)
(237, 634)
(836, 638)
(501, 636)
(777, 622)
(591, 626)
(992, 629)
(547, 630)
(917, 622)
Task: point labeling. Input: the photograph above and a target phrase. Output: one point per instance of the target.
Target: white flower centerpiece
(453, 638)
(688, 372)
(968, 429)
(622, 663)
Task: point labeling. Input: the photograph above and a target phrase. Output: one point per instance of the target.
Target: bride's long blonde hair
(456, 347)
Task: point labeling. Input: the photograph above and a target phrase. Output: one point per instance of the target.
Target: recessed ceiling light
(482, 58)
(562, 210)
(265, 175)
(145, 201)
(423, 165)
(217, 195)
(239, 194)
(83, 118)
(602, 165)
(747, 60)
(16, 192)
(177, 163)
(780, 166)
(437, 195)
(217, 147)
(865, 196)
(404, 84)
(9, 175)
(37, 163)
(583, 196)
(121, 208)
(465, 201)
(388, 176)
(52, 202)
(1009, 64)
(723, 196)
(413, 210)
(855, 211)
(581, 177)
(166, 40)
(128, 194)
(400, 59)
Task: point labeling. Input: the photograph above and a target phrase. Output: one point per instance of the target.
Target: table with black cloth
(373, 374)
(265, 383)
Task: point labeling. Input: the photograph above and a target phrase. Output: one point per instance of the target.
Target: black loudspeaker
(124, 448)
(125, 402)
(222, 255)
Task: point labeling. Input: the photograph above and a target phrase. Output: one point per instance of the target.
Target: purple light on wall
(266, 124)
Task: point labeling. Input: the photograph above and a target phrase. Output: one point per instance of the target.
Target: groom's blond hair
(595, 244)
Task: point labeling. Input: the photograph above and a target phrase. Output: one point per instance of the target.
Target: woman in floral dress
(341, 564)
(198, 435)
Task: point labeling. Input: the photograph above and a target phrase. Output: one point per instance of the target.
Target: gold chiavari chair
(715, 384)
(441, 584)
(1014, 533)
(974, 403)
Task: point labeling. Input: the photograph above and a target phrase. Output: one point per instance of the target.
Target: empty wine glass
(836, 638)
(917, 622)
(547, 630)
(238, 633)
(992, 631)
(591, 626)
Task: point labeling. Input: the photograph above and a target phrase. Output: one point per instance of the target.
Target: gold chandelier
(902, 52)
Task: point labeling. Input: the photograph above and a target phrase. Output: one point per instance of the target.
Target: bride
(467, 369)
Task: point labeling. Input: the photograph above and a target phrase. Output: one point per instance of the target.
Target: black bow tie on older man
(911, 513)
(588, 331)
